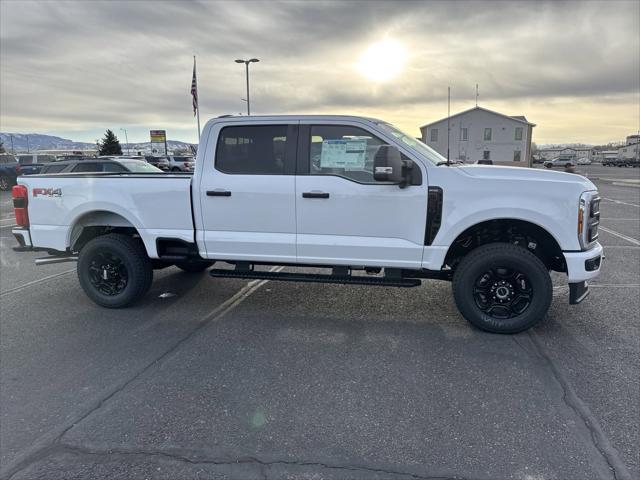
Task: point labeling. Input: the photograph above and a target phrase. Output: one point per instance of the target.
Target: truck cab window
(343, 151)
(252, 150)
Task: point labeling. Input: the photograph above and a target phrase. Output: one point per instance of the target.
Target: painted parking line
(620, 235)
(36, 282)
(620, 202)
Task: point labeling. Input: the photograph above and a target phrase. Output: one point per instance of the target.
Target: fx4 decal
(47, 192)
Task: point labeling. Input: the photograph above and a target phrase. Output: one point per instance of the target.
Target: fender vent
(434, 214)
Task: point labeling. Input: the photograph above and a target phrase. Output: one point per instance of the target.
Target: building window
(516, 156)
(434, 134)
(464, 134)
(486, 155)
(487, 134)
(518, 133)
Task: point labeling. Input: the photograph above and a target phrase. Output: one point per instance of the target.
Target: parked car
(181, 164)
(609, 162)
(100, 165)
(9, 171)
(32, 163)
(560, 162)
(344, 193)
(160, 162)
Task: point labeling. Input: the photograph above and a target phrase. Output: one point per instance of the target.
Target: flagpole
(198, 97)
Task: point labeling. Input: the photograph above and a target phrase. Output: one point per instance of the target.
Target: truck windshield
(416, 145)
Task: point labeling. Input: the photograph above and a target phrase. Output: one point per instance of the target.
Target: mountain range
(23, 142)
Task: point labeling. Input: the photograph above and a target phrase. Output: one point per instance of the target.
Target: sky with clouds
(76, 68)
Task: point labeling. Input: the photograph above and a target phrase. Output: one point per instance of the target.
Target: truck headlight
(588, 218)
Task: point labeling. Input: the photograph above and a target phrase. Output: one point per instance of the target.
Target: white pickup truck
(352, 195)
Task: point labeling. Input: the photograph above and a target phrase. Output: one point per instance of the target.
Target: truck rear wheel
(114, 270)
(502, 288)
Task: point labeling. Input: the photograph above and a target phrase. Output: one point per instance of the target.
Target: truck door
(247, 193)
(345, 217)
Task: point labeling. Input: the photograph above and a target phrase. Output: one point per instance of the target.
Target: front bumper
(581, 267)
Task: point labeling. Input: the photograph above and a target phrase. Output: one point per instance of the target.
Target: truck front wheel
(114, 270)
(502, 288)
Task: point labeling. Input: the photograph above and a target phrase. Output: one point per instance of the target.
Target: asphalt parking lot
(217, 378)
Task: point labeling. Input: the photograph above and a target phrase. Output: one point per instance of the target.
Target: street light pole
(246, 64)
(127, 139)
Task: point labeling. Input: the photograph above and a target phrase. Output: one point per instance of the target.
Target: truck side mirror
(388, 165)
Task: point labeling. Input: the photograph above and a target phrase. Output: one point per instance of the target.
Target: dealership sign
(158, 142)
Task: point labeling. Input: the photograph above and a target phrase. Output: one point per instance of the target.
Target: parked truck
(355, 199)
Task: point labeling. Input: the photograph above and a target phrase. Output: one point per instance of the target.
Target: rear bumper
(23, 237)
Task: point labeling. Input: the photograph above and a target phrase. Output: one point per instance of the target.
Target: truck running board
(317, 278)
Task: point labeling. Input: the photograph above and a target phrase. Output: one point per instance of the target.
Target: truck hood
(493, 172)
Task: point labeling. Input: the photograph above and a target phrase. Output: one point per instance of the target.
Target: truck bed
(157, 205)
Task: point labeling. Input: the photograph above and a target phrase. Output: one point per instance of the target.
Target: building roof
(517, 118)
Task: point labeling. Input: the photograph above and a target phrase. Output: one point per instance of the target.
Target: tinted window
(252, 149)
(53, 168)
(344, 151)
(7, 159)
(113, 167)
(140, 167)
(87, 167)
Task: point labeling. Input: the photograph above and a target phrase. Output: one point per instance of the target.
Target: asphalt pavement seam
(573, 401)
(47, 441)
(250, 460)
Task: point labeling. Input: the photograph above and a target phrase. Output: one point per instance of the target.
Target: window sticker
(343, 154)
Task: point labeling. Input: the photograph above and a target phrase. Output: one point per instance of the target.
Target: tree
(110, 145)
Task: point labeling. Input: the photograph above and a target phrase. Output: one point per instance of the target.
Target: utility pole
(127, 139)
(448, 122)
(27, 143)
(246, 64)
(13, 150)
(476, 95)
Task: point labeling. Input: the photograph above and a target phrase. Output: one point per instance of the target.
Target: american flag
(194, 89)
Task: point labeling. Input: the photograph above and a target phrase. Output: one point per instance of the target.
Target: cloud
(81, 65)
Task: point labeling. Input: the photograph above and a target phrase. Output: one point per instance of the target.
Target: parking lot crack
(197, 458)
(571, 399)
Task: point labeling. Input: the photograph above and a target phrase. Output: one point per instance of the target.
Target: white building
(577, 152)
(478, 134)
(631, 150)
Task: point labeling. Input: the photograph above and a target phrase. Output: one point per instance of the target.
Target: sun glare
(382, 61)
